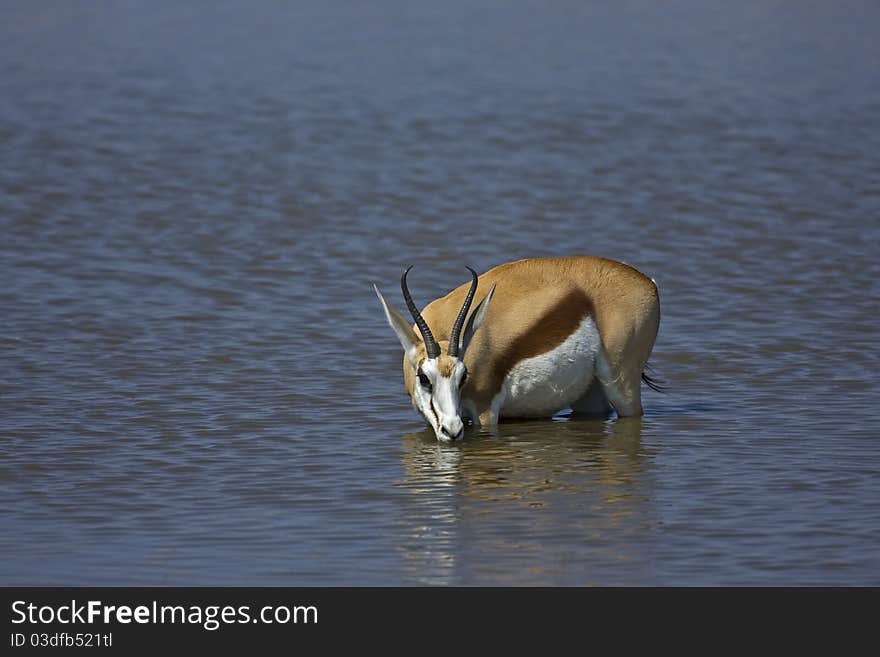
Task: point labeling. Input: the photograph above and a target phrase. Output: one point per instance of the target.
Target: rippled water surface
(198, 385)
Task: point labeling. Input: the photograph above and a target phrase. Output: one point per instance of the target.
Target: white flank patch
(545, 384)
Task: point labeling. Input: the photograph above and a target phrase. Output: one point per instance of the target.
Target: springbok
(573, 332)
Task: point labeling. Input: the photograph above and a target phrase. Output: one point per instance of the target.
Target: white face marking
(440, 401)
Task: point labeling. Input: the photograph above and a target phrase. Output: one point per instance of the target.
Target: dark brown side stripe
(545, 334)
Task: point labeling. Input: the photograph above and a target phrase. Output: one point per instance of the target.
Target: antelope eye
(463, 379)
(424, 380)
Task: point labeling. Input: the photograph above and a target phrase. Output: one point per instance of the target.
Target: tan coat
(537, 304)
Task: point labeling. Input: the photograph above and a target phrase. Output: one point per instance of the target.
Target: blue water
(197, 385)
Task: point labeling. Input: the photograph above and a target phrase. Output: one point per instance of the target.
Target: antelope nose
(453, 432)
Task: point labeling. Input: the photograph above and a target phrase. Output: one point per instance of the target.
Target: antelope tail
(654, 384)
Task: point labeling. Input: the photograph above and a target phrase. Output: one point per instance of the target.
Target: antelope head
(434, 371)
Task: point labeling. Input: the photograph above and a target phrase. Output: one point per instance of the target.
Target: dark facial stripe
(436, 416)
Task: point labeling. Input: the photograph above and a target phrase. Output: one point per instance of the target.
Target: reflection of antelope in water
(570, 496)
(602, 455)
(559, 332)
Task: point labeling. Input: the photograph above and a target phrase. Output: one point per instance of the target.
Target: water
(198, 385)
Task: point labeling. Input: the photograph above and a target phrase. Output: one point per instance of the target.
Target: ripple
(198, 386)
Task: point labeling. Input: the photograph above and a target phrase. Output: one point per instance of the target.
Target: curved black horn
(431, 346)
(459, 321)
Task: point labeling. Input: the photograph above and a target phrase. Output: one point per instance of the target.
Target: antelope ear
(475, 320)
(408, 338)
